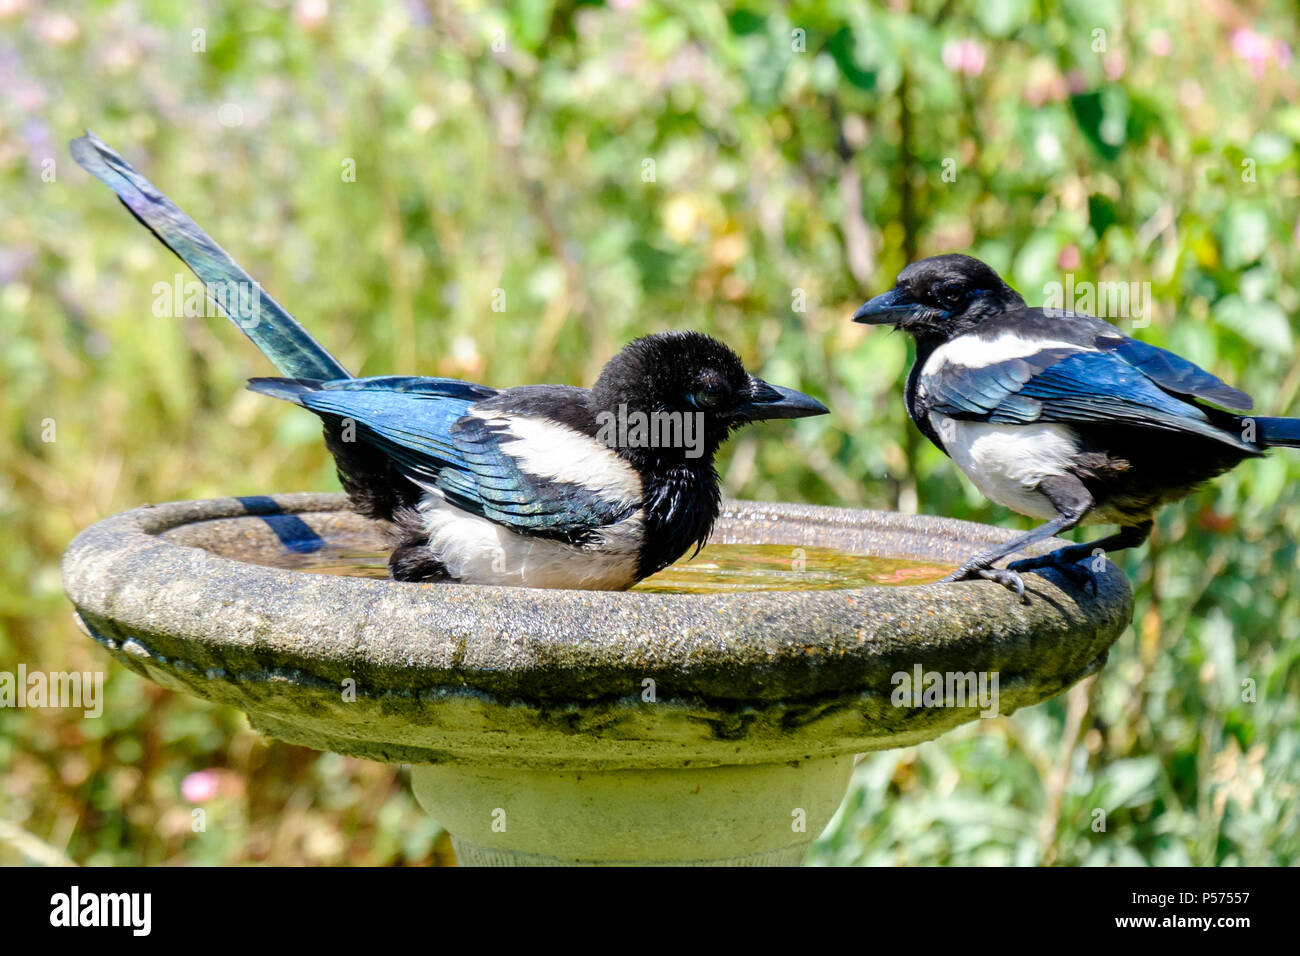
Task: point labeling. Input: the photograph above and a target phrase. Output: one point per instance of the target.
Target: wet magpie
(538, 485)
(1058, 415)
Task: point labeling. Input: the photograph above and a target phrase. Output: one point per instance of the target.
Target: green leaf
(1102, 214)
(1035, 263)
(744, 22)
(1127, 782)
(1260, 323)
(1001, 18)
(1243, 234)
(842, 47)
(1102, 116)
(1269, 147)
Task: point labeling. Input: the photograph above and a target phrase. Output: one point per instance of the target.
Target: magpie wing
(984, 391)
(1171, 372)
(1178, 376)
(1072, 384)
(521, 471)
(536, 475)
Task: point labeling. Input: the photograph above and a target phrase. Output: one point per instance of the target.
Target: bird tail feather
(273, 330)
(1277, 432)
(286, 389)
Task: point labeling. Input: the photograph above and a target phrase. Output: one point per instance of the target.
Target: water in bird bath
(718, 568)
(780, 567)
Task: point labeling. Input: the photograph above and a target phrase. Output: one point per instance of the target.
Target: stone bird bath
(581, 727)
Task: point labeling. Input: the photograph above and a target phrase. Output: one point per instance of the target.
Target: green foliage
(748, 171)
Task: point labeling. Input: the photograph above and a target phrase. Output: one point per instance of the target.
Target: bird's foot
(1008, 579)
(1073, 571)
(1004, 576)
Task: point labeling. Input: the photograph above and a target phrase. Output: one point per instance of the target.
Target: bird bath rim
(487, 675)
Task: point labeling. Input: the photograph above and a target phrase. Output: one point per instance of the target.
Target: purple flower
(14, 262)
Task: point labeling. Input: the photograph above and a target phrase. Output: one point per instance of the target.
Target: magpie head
(941, 297)
(690, 386)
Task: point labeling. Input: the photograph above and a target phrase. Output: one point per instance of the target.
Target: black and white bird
(1058, 415)
(546, 485)
(539, 485)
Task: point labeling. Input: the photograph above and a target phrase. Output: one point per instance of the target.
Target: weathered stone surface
(490, 677)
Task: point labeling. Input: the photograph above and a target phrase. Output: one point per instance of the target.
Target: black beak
(888, 308)
(773, 401)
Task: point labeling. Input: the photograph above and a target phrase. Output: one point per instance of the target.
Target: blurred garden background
(753, 171)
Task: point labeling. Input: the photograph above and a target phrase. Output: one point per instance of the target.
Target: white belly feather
(1006, 462)
(477, 551)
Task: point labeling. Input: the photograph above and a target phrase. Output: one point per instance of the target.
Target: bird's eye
(705, 398)
(949, 296)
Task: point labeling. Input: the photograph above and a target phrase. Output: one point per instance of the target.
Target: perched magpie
(1058, 415)
(539, 485)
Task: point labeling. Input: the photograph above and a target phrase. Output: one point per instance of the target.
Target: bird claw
(1003, 576)
(1074, 572)
(1008, 579)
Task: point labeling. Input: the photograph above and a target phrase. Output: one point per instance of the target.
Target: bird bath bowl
(548, 727)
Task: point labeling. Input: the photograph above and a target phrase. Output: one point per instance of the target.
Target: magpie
(1057, 414)
(538, 485)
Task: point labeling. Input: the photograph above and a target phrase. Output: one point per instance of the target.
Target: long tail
(1278, 432)
(273, 330)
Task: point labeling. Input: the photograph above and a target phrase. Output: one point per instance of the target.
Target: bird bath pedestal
(548, 727)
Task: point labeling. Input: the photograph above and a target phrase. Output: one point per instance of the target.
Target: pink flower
(1259, 51)
(57, 29)
(200, 786)
(1044, 83)
(1249, 45)
(310, 14)
(1160, 43)
(30, 97)
(1069, 258)
(964, 56)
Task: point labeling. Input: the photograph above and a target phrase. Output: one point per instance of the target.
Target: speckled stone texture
(492, 677)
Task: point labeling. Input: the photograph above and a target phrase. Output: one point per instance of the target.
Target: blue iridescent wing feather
(1080, 387)
(424, 425)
